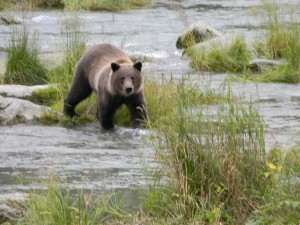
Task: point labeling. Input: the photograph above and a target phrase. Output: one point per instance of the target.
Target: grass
(92, 5)
(233, 58)
(23, 65)
(46, 3)
(215, 163)
(105, 5)
(4, 4)
(214, 170)
(282, 41)
(283, 206)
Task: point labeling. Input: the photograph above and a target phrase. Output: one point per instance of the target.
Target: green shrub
(23, 65)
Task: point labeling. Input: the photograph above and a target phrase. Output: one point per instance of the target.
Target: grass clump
(23, 65)
(282, 41)
(4, 4)
(106, 5)
(46, 3)
(233, 58)
(58, 206)
(283, 206)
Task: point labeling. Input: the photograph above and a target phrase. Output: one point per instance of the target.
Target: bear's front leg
(138, 111)
(106, 116)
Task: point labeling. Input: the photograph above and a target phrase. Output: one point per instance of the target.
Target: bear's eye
(132, 78)
(122, 79)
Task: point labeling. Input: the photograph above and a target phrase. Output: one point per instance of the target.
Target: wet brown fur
(109, 72)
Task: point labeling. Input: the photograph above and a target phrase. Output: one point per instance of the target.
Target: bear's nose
(128, 90)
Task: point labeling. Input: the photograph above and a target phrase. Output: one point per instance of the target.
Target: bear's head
(126, 79)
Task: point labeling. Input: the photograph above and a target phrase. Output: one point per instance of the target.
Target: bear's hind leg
(79, 90)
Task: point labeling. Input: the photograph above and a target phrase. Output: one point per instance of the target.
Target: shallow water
(101, 160)
(107, 160)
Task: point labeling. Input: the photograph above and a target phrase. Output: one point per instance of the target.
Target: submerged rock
(261, 65)
(196, 33)
(9, 20)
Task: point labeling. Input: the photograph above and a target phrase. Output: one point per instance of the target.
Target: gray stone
(13, 109)
(261, 65)
(20, 91)
(9, 20)
(196, 33)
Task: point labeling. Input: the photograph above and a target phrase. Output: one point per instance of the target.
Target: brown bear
(109, 72)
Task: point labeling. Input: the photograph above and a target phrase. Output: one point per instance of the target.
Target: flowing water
(100, 160)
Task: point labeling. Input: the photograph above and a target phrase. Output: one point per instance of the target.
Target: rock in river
(196, 33)
(14, 109)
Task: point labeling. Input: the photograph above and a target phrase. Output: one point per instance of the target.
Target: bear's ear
(138, 65)
(115, 66)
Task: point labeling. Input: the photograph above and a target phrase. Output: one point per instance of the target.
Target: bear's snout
(128, 90)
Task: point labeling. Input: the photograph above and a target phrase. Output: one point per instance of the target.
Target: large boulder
(196, 33)
(13, 104)
(14, 109)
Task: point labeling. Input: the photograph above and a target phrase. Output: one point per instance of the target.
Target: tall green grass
(214, 162)
(23, 65)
